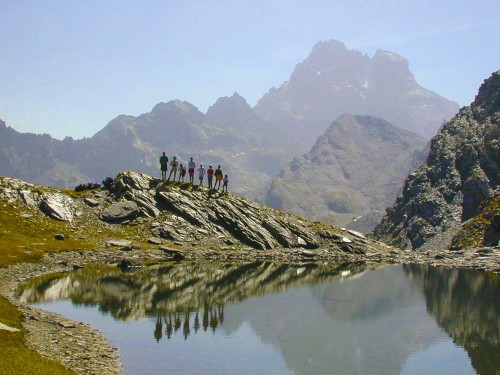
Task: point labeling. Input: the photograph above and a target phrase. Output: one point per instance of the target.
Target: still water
(274, 318)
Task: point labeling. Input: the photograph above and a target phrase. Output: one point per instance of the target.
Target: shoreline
(84, 349)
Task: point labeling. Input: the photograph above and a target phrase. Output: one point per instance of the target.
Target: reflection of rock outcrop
(466, 305)
(177, 288)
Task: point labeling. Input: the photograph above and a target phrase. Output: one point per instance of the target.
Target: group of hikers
(191, 166)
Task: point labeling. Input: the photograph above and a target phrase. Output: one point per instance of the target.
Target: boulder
(118, 243)
(120, 212)
(57, 206)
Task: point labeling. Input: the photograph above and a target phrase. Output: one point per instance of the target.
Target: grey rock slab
(91, 202)
(57, 206)
(120, 212)
(154, 240)
(118, 243)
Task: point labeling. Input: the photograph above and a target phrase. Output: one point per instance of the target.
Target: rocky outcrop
(346, 179)
(459, 179)
(194, 212)
(141, 211)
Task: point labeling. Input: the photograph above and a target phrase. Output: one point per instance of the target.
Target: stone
(91, 202)
(57, 206)
(26, 197)
(154, 240)
(357, 234)
(308, 253)
(59, 236)
(118, 243)
(120, 212)
(301, 242)
(176, 254)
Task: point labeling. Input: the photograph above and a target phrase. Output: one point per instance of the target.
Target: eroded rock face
(461, 173)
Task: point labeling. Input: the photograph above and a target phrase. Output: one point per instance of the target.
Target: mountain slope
(353, 170)
(244, 146)
(459, 179)
(334, 80)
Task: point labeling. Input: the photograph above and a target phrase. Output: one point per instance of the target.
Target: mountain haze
(251, 144)
(334, 80)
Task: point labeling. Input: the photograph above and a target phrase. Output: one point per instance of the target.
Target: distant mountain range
(333, 81)
(251, 144)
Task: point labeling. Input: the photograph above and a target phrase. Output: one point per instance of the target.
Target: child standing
(182, 172)
(225, 182)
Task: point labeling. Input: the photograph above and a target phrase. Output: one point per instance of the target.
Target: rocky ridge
(345, 179)
(457, 188)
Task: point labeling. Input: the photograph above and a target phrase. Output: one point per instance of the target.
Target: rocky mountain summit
(456, 191)
(353, 172)
(334, 80)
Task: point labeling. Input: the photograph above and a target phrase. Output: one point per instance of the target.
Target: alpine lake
(276, 318)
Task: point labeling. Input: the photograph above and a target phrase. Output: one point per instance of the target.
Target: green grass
(15, 356)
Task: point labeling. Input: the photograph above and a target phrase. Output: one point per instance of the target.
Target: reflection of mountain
(326, 319)
(466, 305)
(177, 288)
(370, 323)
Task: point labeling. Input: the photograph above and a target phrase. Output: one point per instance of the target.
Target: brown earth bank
(138, 221)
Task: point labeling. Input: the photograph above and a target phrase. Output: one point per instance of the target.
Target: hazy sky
(69, 67)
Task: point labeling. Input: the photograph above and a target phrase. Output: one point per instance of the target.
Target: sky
(67, 68)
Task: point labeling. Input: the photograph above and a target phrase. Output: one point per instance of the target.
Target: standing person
(225, 181)
(191, 167)
(201, 174)
(210, 176)
(182, 172)
(163, 166)
(174, 164)
(218, 177)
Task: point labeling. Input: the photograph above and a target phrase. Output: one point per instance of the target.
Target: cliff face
(458, 181)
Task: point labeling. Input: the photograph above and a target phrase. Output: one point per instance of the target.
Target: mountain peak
(175, 105)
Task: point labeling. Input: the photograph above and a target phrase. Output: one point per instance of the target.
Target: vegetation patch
(15, 357)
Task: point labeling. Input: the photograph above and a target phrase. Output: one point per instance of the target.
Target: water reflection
(320, 318)
(211, 317)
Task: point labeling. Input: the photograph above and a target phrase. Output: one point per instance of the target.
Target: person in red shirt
(210, 176)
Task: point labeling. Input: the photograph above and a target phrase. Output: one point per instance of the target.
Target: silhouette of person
(218, 177)
(201, 174)
(164, 166)
(182, 172)
(174, 164)
(191, 167)
(159, 328)
(169, 328)
(210, 176)
(186, 329)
